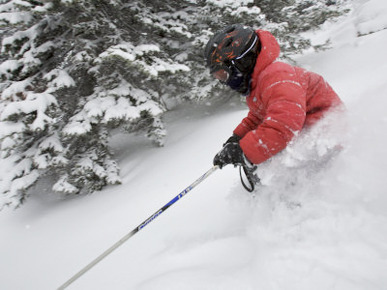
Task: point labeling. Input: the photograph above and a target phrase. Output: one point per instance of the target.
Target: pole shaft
(137, 229)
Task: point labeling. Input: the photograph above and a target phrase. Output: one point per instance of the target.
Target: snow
(33, 102)
(59, 79)
(10, 127)
(370, 19)
(133, 54)
(52, 143)
(15, 88)
(9, 66)
(301, 230)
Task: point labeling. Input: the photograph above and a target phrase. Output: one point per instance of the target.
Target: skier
(282, 99)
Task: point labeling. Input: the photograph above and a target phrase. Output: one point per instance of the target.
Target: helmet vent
(228, 43)
(231, 29)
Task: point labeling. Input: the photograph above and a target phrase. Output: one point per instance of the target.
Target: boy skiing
(282, 99)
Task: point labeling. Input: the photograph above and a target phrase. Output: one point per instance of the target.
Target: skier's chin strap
(251, 177)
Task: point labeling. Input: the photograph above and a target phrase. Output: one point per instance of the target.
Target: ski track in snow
(299, 230)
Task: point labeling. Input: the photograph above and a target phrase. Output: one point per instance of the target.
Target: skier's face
(222, 75)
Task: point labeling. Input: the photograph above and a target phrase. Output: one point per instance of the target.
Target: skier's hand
(230, 154)
(233, 139)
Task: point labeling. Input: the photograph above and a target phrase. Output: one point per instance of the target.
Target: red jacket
(283, 100)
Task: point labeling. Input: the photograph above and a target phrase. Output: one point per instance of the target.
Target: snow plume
(309, 152)
(322, 222)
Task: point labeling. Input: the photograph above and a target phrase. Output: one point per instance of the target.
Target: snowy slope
(327, 231)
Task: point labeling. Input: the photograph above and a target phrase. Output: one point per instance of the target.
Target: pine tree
(71, 73)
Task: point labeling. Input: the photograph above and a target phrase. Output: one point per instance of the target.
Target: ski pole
(137, 229)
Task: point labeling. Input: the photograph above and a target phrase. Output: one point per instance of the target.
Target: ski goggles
(222, 74)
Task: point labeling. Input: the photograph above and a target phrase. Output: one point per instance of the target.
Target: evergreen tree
(73, 70)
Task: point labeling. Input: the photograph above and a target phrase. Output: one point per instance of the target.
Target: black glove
(230, 154)
(233, 139)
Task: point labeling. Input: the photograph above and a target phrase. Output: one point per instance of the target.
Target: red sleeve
(285, 102)
(248, 124)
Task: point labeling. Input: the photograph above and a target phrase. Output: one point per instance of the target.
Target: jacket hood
(270, 51)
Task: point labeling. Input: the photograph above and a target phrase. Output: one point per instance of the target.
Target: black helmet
(234, 47)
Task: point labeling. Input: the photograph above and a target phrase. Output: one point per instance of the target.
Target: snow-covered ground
(326, 231)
